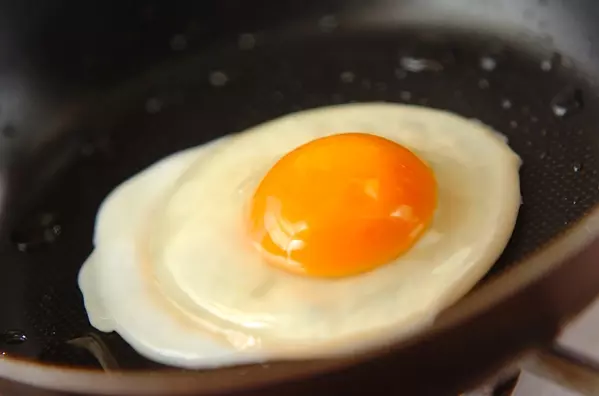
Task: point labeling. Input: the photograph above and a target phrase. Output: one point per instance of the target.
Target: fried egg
(321, 233)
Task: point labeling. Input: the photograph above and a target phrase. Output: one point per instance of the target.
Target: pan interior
(538, 100)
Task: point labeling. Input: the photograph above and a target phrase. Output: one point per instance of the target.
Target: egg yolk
(342, 205)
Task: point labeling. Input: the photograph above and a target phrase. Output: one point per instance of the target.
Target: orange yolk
(342, 205)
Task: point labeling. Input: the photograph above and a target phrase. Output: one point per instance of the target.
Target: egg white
(174, 274)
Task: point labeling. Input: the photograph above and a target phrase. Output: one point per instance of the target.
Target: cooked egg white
(174, 274)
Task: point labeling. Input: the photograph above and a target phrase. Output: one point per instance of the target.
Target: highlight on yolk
(342, 205)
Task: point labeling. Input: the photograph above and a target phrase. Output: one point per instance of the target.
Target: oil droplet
(13, 337)
(542, 155)
(546, 65)
(9, 131)
(246, 41)
(506, 104)
(567, 103)
(543, 132)
(328, 23)
(514, 124)
(37, 232)
(347, 77)
(483, 83)
(218, 78)
(534, 119)
(416, 65)
(153, 105)
(178, 42)
(487, 63)
(405, 95)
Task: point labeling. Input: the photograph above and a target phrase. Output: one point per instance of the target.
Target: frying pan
(92, 92)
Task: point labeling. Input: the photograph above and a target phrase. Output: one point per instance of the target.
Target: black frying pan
(92, 92)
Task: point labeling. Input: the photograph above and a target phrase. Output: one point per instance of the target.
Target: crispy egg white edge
(154, 180)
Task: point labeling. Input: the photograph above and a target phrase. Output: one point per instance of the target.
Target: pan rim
(562, 251)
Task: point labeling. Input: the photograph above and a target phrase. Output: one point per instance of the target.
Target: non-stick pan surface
(86, 122)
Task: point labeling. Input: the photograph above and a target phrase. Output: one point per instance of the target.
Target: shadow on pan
(84, 106)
